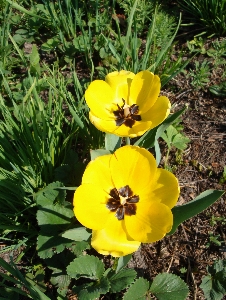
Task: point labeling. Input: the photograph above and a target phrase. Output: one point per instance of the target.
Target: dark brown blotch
(120, 213)
(133, 199)
(125, 191)
(130, 209)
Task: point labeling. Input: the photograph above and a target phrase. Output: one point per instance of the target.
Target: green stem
(127, 139)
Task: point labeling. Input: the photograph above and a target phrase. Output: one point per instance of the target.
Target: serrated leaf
(86, 266)
(47, 246)
(122, 279)
(77, 234)
(61, 293)
(79, 247)
(194, 207)
(169, 134)
(214, 285)
(218, 266)
(112, 142)
(92, 290)
(99, 152)
(138, 290)
(180, 141)
(122, 262)
(167, 286)
(50, 194)
(54, 218)
(60, 279)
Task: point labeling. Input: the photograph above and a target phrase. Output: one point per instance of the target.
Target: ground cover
(50, 52)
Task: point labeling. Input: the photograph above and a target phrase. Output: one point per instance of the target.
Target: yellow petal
(100, 97)
(120, 83)
(165, 187)
(90, 206)
(158, 112)
(151, 223)
(113, 240)
(133, 166)
(103, 125)
(98, 173)
(144, 91)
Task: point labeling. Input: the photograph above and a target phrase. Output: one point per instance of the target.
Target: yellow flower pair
(124, 198)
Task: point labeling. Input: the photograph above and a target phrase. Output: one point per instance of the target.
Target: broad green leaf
(173, 138)
(93, 290)
(86, 266)
(47, 246)
(99, 152)
(112, 142)
(54, 218)
(77, 234)
(122, 279)
(167, 286)
(180, 141)
(214, 284)
(138, 290)
(49, 194)
(149, 138)
(122, 262)
(59, 279)
(194, 207)
(218, 266)
(79, 247)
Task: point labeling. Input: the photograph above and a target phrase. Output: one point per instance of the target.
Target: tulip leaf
(138, 290)
(194, 207)
(77, 234)
(98, 152)
(148, 139)
(87, 266)
(112, 142)
(119, 281)
(122, 262)
(167, 286)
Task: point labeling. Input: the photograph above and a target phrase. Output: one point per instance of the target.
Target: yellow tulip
(126, 200)
(126, 104)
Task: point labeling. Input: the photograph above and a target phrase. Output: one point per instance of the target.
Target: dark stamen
(125, 191)
(120, 213)
(130, 209)
(129, 200)
(128, 119)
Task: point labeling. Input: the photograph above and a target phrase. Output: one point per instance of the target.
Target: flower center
(127, 115)
(123, 202)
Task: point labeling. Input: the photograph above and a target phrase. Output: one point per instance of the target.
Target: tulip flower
(126, 104)
(126, 200)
